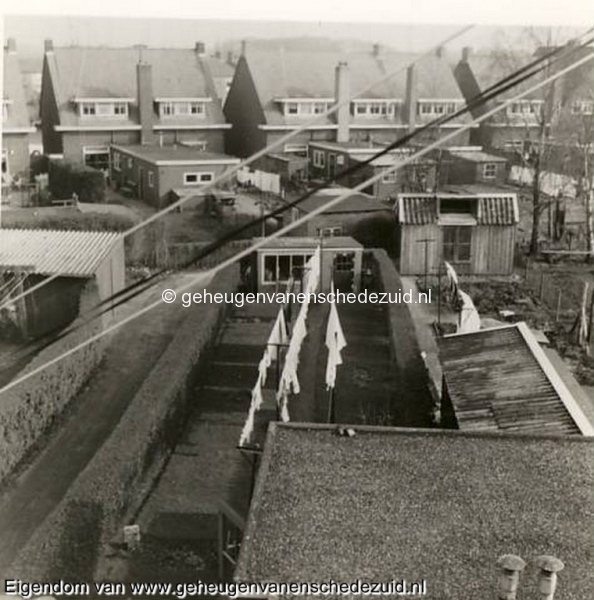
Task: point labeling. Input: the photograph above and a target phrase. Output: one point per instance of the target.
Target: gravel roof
(440, 505)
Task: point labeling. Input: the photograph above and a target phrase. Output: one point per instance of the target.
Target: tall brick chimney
(342, 94)
(146, 115)
(410, 100)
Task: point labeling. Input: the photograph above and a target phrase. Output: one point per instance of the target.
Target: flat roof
(391, 503)
(51, 252)
(477, 156)
(311, 243)
(501, 379)
(163, 155)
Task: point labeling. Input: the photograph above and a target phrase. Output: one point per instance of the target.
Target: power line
(258, 244)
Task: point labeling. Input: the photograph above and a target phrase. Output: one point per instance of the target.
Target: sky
(407, 25)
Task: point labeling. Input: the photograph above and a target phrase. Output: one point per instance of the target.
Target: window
(524, 107)
(582, 107)
(328, 231)
(379, 108)
(389, 177)
(150, 179)
(197, 178)
(116, 161)
(103, 109)
(344, 262)
(438, 107)
(130, 163)
(172, 108)
(456, 244)
(319, 159)
(292, 108)
(489, 170)
(279, 268)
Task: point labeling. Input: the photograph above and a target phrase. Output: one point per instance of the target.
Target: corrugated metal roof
(492, 209)
(50, 252)
(500, 379)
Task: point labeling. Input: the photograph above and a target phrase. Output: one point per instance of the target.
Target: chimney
(466, 53)
(510, 567)
(200, 49)
(48, 45)
(144, 82)
(547, 578)
(410, 100)
(377, 49)
(342, 94)
(11, 46)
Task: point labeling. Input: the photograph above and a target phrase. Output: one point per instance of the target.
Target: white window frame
(329, 231)
(582, 107)
(201, 177)
(374, 108)
(437, 107)
(182, 108)
(389, 177)
(490, 170)
(319, 159)
(113, 109)
(304, 258)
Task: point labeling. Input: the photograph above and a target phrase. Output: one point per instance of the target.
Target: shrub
(66, 179)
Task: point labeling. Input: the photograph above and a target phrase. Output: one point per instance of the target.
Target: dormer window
(103, 107)
(294, 107)
(582, 107)
(182, 107)
(375, 108)
(438, 107)
(524, 108)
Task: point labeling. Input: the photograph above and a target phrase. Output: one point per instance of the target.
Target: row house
(94, 97)
(274, 93)
(17, 130)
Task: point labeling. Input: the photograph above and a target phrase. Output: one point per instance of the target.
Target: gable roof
(500, 379)
(292, 73)
(98, 72)
(14, 92)
(50, 252)
(492, 208)
(440, 505)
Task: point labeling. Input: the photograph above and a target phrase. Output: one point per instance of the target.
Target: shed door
(344, 271)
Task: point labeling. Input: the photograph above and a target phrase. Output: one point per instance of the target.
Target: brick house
(273, 93)
(16, 125)
(94, 97)
(157, 174)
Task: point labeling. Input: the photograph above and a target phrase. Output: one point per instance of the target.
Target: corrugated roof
(49, 252)
(500, 379)
(492, 209)
(436, 505)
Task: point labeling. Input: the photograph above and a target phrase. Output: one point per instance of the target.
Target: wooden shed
(500, 379)
(475, 233)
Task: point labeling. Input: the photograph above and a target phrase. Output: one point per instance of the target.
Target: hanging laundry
(335, 342)
(452, 289)
(469, 320)
(255, 404)
(278, 335)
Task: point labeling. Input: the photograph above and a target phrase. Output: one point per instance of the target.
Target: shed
(440, 506)
(500, 379)
(282, 257)
(74, 260)
(475, 232)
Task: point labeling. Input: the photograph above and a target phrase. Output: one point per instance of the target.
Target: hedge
(28, 410)
(66, 179)
(114, 485)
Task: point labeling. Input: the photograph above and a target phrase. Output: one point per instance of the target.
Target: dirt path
(95, 412)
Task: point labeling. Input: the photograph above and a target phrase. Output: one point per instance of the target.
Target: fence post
(558, 306)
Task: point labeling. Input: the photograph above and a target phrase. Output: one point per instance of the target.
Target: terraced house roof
(437, 505)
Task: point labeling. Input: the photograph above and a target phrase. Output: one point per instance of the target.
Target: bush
(377, 231)
(66, 179)
(77, 222)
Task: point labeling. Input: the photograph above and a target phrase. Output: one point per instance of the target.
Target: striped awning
(497, 210)
(417, 209)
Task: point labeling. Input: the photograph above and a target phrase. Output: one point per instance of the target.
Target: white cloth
(255, 404)
(452, 280)
(278, 335)
(469, 319)
(335, 342)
